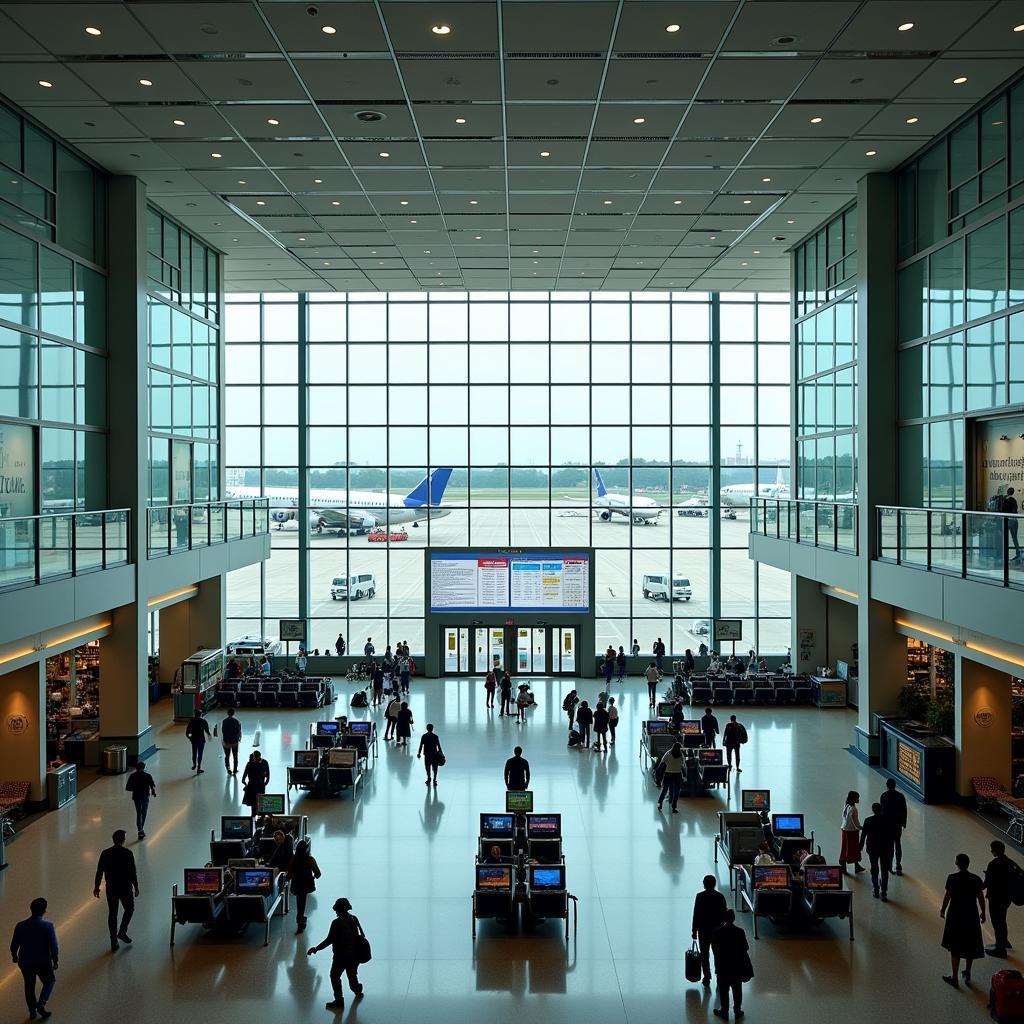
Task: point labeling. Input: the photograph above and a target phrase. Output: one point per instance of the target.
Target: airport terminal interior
(520, 375)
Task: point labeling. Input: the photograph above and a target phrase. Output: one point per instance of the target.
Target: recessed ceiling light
(440, 30)
(478, 237)
(403, 202)
(90, 30)
(817, 120)
(766, 180)
(743, 264)
(426, 252)
(145, 81)
(234, 239)
(912, 120)
(328, 30)
(240, 182)
(45, 84)
(607, 202)
(639, 120)
(1018, 28)
(711, 238)
(272, 120)
(672, 28)
(536, 251)
(871, 152)
(216, 156)
(790, 221)
(677, 202)
(178, 121)
(413, 222)
(747, 202)
(326, 264)
(543, 152)
(474, 202)
(301, 239)
(259, 202)
(905, 27)
(385, 155)
(460, 120)
(318, 181)
(960, 80)
(334, 202)
(757, 252)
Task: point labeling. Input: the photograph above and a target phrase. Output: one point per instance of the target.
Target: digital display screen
(816, 877)
(254, 881)
(269, 803)
(341, 757)
(494, 878)
(360, 728)
(709, 755)
(908, 762)
(519, 802)
(689, 728)
(544, 826)
(768, 876)
(665, 709)
(656, 726)
(203, 881)
(793, 824)
(547, 878)
(496, 826)
(236, 827)
(505, 582)
(756, 800)
(306, 758)
(327, 728)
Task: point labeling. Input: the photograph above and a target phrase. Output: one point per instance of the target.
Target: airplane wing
(574, 497)
(350, 518)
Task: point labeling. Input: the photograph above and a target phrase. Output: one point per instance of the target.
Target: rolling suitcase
(1006, 997)
(694, 969)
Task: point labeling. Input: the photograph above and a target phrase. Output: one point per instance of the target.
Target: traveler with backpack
(391, 717)
(1004, 884)
(732, 964)
(572, 698)
(613, 719)
(490, 684)
(339, 646)
(733, 738)
(368, 649)
(671, 767)
(963, 909)
(350, 949)
(584, 720)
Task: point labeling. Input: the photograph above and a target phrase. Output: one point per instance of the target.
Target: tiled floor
(404, 856)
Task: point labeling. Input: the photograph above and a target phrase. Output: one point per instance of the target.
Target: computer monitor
(547, 877)
(771, 876)
(269, 803)
(788, 824)
(519, 802)
(327, 728)
(755, 800)
(359, 728)
(818, 878)
(496, 826)
(689, 728)
(543, 826)
(342, 757)
(254, 881)
(235, 827)
(665, 709)
(710, 755)
(203, 881)
(656, 727)
(306, 758)
(493, 878)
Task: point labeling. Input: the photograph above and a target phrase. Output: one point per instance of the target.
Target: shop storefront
(73, 705)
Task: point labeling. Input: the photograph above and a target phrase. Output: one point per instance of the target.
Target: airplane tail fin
(779, 479)
(430, 490)
(601, 489)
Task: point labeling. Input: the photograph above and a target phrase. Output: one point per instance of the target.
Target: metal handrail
(31, 552)
(203, 524)
(834, 524)
(966, 543)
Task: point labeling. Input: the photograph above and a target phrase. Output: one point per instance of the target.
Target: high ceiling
(623, 144)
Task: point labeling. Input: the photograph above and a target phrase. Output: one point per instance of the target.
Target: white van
(253, 646)
(363, 584)
(656, 587)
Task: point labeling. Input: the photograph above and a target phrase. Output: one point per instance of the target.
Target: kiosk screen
(756, 800)
(496, 826)
(689, 728)
(254, 881)
(710, 755)
(543, 826)
(547, 877)
(235, 827)
(269, 803)
(788, 824)
(203, 881)
(519, 802)
(769, 876)
(490, 878)
(306, 758)
(656, 727)
(360, 728)
(342, 757)
(327, 728)
(818, 878)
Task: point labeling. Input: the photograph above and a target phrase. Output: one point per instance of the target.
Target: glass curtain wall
(680, 399)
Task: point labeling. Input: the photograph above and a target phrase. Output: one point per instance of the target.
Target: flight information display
(482, 581)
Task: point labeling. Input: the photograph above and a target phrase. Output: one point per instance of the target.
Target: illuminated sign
(908, 762)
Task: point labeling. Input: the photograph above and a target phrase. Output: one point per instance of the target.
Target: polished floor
(403, 854)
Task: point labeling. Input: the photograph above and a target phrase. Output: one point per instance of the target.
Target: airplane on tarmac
(739, 495)
(643, 511)
(356, 511)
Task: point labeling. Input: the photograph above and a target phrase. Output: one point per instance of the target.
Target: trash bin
(115, 760)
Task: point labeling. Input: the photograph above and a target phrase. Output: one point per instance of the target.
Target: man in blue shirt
(34, 950)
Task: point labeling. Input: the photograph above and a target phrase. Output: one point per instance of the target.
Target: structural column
(23, 721)
(982, 724)
(193, 625)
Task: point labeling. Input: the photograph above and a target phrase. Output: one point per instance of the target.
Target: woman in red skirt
(849, 850)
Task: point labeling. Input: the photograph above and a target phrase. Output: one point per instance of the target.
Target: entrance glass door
(563, 655)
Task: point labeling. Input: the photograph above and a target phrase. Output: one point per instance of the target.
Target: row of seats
(271, 694)
(749, 690)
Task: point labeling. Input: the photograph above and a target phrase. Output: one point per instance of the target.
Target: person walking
(522, 703)
(963, 909)
(894, 807)
(303, 871)
(733, 738)
(116, 868)
(620, 664)
(343, 938)
(999, 887)
(403, 725)
(505, 684)
(141, 786)
(608, 667)
(732, 965)
(339, 646)
(368, 649)
(230, 737)
(1010, 508)
(391, 717)
(376, 683)
(652, 676)
(709, 907)
(34, 950)
(490, 685)
(688, 663)
(613, 719)
(601, 726)
(876, 835)
(659, 652)
(198, 732)
(849, 847)
(584, 720)
(255, 778)
(709, 727)
(517, 772)
(301, 660)
(572, 698)
(635, 648)
(672, 781)
(431, 752)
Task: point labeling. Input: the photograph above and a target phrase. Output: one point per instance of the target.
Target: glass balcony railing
(979, 545)
(35, 549)
(820, 524)
(174, 528)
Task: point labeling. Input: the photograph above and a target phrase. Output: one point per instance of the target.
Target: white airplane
(356, 511)
(739, 495)
(643, 511)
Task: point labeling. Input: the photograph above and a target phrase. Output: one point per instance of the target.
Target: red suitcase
(1006, 997)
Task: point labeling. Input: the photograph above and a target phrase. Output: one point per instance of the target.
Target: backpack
(359, 699)
(574, 738)
(743, 734)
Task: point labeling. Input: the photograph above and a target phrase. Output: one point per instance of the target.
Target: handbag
(440, 760)
(362, 947)
(693, 967)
